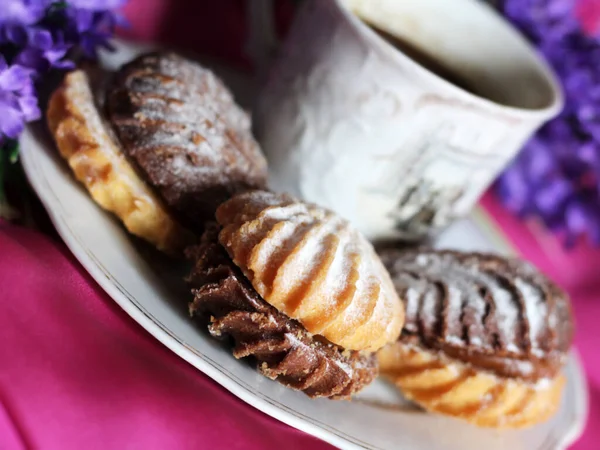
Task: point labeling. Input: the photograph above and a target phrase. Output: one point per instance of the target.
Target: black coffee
(424, 59)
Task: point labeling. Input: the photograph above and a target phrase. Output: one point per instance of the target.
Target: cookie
(284, 350)
(485, 337)
(312, 265)
(297, 288)
(86, 142)
(189, 139)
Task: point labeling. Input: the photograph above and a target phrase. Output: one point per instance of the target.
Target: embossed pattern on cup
(350, 122)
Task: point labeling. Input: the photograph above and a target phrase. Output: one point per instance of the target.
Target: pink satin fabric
(77, 373)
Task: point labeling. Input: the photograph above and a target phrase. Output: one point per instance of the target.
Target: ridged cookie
(187, 136)
(312, 266)
(283, 349)
(485, 337)
(445, 386)
(84, 140)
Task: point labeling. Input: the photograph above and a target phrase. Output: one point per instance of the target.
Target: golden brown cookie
(297, 288)
(85, 141)
(485, 337)
(313, 266)
(283, 349)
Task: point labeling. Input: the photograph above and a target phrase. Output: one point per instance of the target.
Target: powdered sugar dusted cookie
(188, 137)
(85, 140)
(297, 288)
(485, 337)
(312, 265)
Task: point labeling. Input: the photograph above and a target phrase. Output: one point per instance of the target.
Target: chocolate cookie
(298, 288)
(87, 143)
(494, 313)
(282, 347)
(180, 125)
(485, 337)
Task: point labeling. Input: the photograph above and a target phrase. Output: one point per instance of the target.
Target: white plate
(152, 294)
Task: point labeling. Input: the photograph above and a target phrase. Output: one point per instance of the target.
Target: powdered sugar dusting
(181, 126)
(506, 311)
(78, 86)
(471, 281)
(263, 252)
(428, 309)
(454, 310)
(284, 213)
(306, 256)
(330, 278)
(535, 309)
(412, 304)
(543, 384)
(507, 315)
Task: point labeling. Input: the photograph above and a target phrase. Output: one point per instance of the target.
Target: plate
(150, 290)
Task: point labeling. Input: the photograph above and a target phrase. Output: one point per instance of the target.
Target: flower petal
(551, 197)
(41, 39)
(54, 55)
(513, 189)
(96, 5)
(23, 11)
(12, 123)
(29, 108)
(16, 34)
(82, 19)
(14, 78)
(32, 58)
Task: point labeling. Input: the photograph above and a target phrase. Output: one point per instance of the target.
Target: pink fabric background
(76, 372)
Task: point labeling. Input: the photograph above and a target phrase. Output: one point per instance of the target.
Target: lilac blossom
(556, 178)
(23, 12)
(18, 103)
(39, 35)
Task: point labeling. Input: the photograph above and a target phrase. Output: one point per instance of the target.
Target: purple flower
(86, 24)
(43, 50)
(18, 103)
(36, 36)
(44, 31)
(514, 190)
(98, 5)
(24, 12)
(556, 177)
(542, 18)
(90, 29)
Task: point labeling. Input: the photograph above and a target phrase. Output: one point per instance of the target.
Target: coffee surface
(425, 60)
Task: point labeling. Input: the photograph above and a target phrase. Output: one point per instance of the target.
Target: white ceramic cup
(349, 121)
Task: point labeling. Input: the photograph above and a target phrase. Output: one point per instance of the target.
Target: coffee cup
(399, 114)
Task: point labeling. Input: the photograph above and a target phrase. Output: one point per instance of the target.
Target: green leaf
(13, 152)
(57, 6)
(54, 8)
